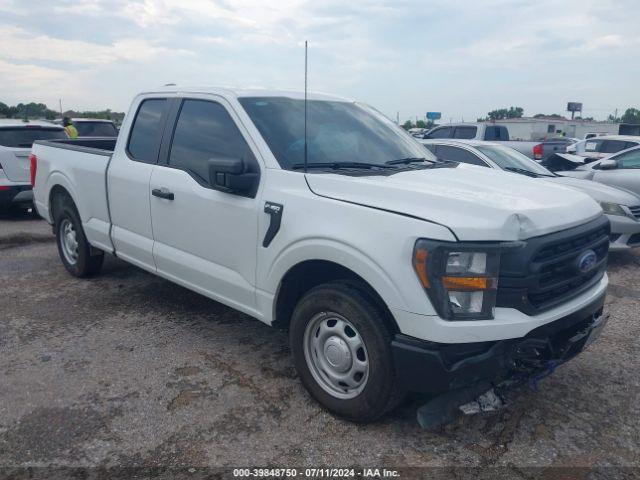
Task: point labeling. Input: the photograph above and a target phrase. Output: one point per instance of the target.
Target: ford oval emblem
(587, 261)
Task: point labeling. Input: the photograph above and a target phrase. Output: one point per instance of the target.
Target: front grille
(635, 211)
(545, 272)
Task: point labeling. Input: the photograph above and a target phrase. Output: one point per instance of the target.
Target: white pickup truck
(393, 272)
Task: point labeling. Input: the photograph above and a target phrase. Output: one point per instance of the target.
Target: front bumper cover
(429, 367)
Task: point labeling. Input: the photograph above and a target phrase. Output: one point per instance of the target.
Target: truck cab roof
(232, 92)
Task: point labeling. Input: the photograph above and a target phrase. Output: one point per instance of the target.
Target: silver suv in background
(595, 148)
(622, 207)
(16, 138)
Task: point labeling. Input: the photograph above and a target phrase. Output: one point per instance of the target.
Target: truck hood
(475, 203)
(598, 191)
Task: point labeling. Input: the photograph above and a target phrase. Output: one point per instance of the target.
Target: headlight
(461, 279)
(613, 209)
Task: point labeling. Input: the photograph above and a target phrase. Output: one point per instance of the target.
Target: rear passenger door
(205, 239)
(128, 179)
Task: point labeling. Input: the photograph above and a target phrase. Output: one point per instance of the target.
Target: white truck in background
(393, 272)
(485, 131)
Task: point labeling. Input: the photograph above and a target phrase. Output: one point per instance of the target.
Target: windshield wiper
(407, 160)
(338, 165)
(523, 171)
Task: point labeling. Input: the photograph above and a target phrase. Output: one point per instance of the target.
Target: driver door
(205, 239)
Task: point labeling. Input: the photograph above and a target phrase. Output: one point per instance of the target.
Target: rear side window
(204, 131)
(23, 137)
(593, 146)
(96, 129)
(456, 154)
(444, 132)
(146, 132)
(465, 132)
(496, 133)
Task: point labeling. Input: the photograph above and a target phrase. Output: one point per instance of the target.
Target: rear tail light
(33, 168)
(537, 152)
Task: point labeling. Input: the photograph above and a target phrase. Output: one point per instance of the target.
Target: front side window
(205, 131)
(629, 160)
(337, 132)
(23, 137)
(613, 146)
(146, 132)
(456, 154)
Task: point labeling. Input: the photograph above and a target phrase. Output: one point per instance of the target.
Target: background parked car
(93, 127)
(622, 207)
(619, 170)
(16, 138)
(599, 147)
(498, 133)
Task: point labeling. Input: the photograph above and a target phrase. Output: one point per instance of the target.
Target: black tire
(381, 392)
(89, 260)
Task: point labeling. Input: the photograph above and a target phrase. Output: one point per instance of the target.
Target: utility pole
(60, 102)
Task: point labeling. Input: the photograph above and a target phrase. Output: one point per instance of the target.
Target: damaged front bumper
(429, 367)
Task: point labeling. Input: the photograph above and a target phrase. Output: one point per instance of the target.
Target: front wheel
(341, 350)
(75, 252)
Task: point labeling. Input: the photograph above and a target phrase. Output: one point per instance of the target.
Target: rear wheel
(78, 257)
(341, 349)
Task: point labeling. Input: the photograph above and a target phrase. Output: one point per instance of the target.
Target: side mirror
(230, 175)
(608, 165)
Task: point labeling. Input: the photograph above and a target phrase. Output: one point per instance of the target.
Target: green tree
(544, 115)
(631, 115)
(502, 113)
(407, 125)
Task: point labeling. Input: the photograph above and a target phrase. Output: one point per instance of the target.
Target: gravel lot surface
(127, 369)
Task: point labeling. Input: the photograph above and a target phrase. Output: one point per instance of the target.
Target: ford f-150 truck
(392, 271)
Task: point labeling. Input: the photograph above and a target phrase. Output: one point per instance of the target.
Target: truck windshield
(337, 132)
(96, 129)
(23, 137)
(510, 159)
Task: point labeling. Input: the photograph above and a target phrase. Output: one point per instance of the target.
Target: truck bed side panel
(82, 174)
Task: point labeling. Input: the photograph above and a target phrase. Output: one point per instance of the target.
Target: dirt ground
(129, 370)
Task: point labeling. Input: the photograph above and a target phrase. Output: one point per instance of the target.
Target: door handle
(162, 193)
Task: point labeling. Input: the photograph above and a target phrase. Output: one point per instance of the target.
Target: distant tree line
(631, 115)
(41, 111)
(418, 124)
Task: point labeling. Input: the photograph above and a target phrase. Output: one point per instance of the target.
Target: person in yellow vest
(69, 128)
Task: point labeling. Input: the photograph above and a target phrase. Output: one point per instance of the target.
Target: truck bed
(80, 166)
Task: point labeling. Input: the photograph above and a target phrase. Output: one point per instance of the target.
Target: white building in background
(529, 128)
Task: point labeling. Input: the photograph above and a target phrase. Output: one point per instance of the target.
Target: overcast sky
(460, 57)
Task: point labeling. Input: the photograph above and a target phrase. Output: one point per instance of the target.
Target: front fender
(345, 255)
